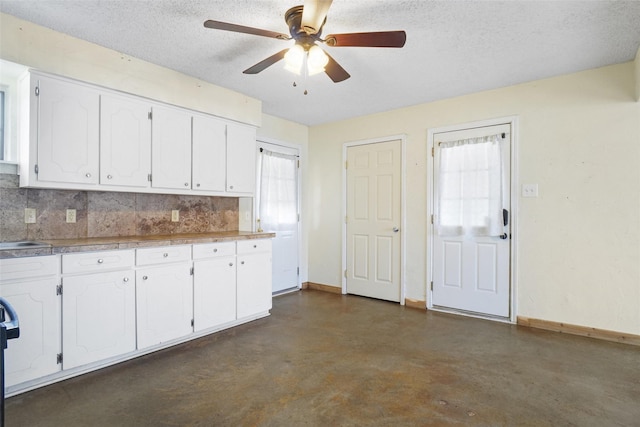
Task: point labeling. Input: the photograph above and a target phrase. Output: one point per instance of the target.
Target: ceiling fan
(305, 28)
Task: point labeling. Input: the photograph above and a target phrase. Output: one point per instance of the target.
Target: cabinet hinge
(59, 358)
(298, 217)
(36, 169)
(298, 270)
(37, 91)
(191, 271)
(149, 177)
(431, 218)
(150, 115)
(346, 165)
(345, 273)
(432, 285)
(346, 219)
(433, 151)
(192, 323)
(59, 289)
(298, 164)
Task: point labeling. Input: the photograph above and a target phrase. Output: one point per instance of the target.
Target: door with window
(471, 243)
(277, 210)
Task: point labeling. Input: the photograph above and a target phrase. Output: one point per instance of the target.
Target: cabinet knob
(197, 185)
(242, 262)
(88, 175)
(215, 250)
(144, 277)
(231, 187)
(230, 264)
(109, 176)
(100, 261)
(165, 254)
(186, 184)
(125, 280)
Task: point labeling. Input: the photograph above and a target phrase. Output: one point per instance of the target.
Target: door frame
(513, 217)
(403, 172)
(302, 265)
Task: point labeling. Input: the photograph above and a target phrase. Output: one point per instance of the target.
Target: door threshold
(483, 316)
(285, 291)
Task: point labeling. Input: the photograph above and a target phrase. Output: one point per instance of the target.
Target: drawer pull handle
(165, 254)
(100, 261)
(144, 277)
(125, 280)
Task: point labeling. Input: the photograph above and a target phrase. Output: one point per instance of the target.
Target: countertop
(63, 246)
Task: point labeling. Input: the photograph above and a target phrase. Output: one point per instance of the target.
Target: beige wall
(637, 69)
(578, 242)
(47, 50)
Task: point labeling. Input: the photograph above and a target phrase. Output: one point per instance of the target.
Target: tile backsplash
(108, 214)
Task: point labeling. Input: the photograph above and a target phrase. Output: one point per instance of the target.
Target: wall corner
(637, 74)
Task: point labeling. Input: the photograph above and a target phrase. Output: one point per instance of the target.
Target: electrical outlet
(29, 216)
(71, 215)
(175, 215)
(529, 190)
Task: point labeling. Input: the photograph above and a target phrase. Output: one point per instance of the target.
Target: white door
(471, 250)
(277, 202)
(68, 132)
(125, 141)
(373, 219)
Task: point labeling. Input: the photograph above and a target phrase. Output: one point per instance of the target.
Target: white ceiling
(453, 47)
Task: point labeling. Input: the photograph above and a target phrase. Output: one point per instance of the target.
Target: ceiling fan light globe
(294, 59)
(317, 58)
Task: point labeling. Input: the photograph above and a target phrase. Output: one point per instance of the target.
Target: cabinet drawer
(211, 250)
(150, 256)
(253, 246)
(97, 261)
(25, 268)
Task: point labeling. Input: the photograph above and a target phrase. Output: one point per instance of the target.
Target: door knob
(396, 229)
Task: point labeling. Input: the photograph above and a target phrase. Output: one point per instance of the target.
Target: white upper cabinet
(67, 134)
(125, 141)
(209, 154)
(171, 148)
(241, 159)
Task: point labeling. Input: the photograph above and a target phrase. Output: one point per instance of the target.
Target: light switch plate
(29, 216)
(529, 190)
(175, 215)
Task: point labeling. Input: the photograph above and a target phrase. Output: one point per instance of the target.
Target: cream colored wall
(578, 242)
(47, 50)
(637, 69)
(275, 129)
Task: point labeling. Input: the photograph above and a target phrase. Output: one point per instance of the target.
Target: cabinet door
(125, 141)
(241, 159)
(171, 148)
(253, 284)
(34, 353)
(98, 317)
(68, 132)
(214, 292)
(164, 301)
(209, 154)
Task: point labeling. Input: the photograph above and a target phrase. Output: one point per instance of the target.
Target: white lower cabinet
(214, 284)
(29, 284)
(164, 295)
(98, 306)
(253, 277)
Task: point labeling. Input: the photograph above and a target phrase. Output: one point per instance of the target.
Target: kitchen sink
(26, 244)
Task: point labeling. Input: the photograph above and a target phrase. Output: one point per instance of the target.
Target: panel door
(209, 154)
(373, 220)
(164, 302)
(241, 159)
(214, 292)
(68, 132)
(98, 317)
(171, 148)
(254, 284)
(470, 268)
(33, 354)
(125, 141)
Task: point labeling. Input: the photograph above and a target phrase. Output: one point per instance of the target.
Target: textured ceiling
(453, 47)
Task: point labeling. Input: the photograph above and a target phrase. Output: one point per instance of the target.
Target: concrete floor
(323, 359)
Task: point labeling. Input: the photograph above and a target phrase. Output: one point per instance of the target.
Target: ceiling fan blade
(266, 63)
(374, 39)
(217, 25)
(335, 71)
(314, 14)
